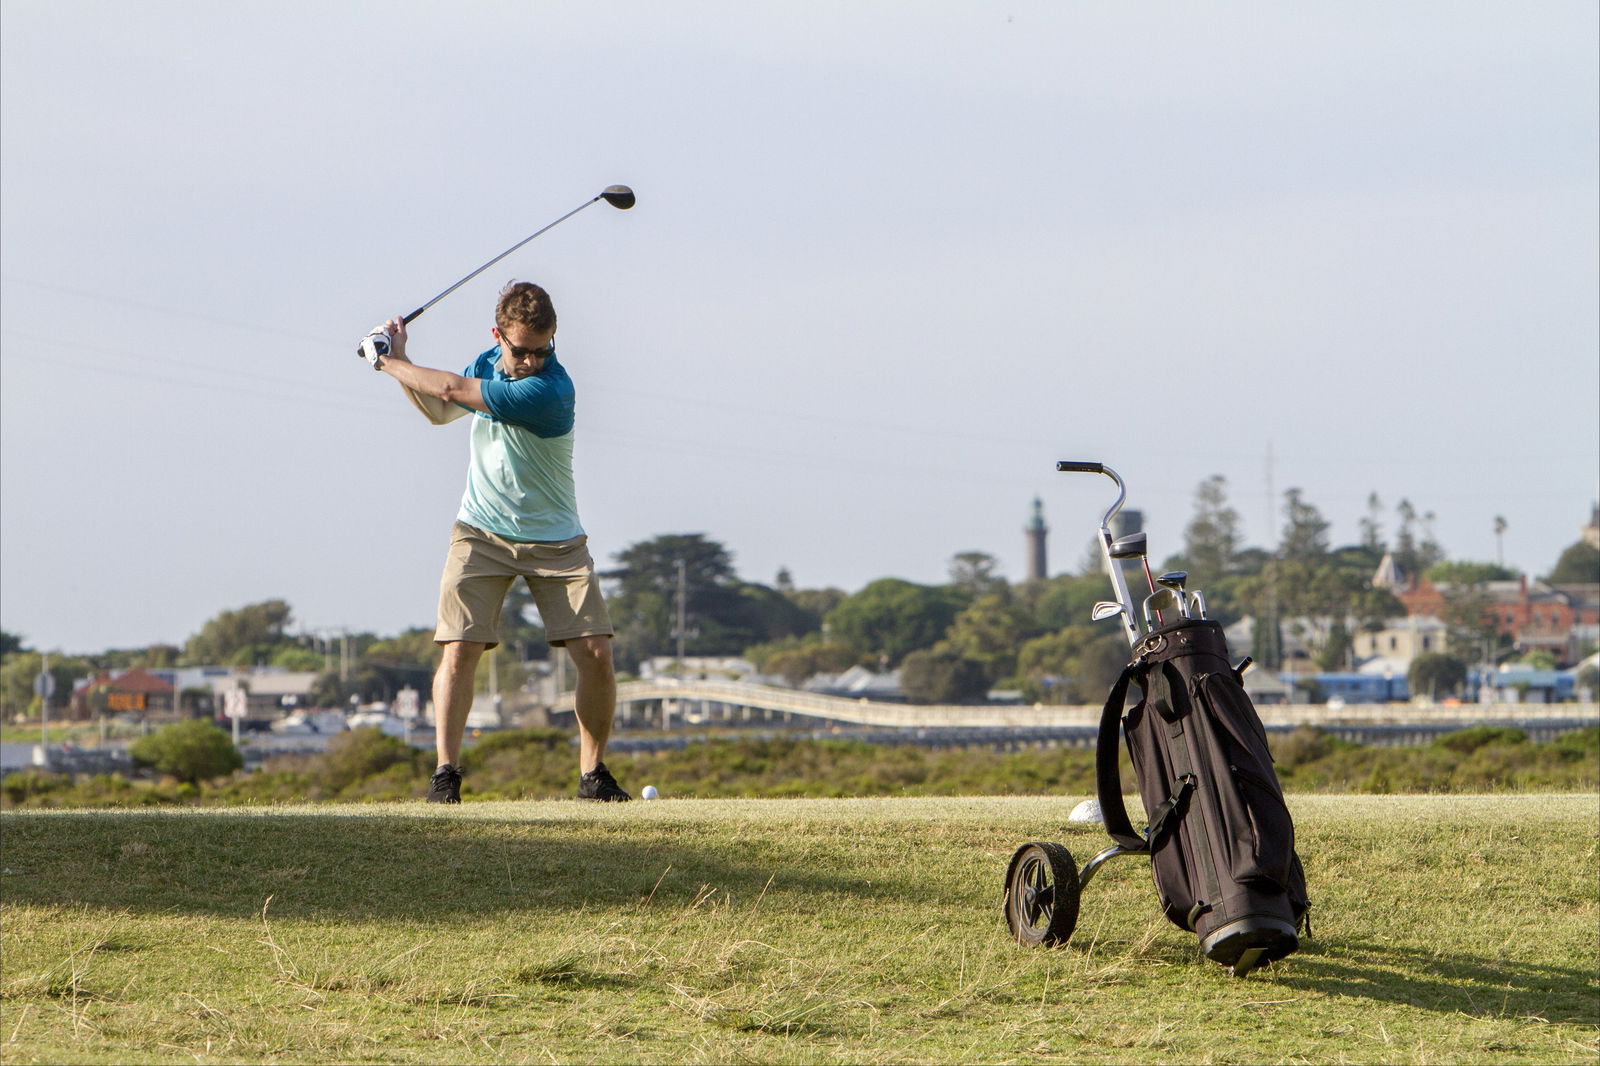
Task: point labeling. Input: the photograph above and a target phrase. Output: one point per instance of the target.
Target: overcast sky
(890, 261)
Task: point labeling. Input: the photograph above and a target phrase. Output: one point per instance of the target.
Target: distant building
(1037, 532)
(135, 691)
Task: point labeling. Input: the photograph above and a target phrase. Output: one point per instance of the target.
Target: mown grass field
(1445, 929)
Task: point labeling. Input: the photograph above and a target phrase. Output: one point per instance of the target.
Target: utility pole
(46, 687)
(1276, 636)
(683, 598)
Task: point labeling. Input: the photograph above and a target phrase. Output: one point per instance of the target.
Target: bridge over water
(669, 700)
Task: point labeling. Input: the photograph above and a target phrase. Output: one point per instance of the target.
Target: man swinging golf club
(518, 518)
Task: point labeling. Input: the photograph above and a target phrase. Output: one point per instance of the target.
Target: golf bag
(1219, 835)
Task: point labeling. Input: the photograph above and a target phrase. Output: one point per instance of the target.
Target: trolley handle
(1088, 466)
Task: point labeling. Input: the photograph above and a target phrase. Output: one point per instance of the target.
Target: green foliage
(1436, 674)
(1305, 531)
(360, 753)
(1465, 741)
(1465, 572)
(20, 669)
(797, 658)
(293, 657)
(975, 574)
(1212, 539)
(723, 615)
(533, 764)
(893, 618)
(1579, 564)
(240, 637)
(989, 632)
(190, 751)
(1077, 664)
(942, 675)
(11, 642)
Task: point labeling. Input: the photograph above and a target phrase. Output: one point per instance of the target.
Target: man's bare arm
(440, 395)
(434, 409)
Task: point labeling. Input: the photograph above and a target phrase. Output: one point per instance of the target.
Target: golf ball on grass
(649, 792)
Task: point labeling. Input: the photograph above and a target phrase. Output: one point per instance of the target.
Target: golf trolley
(1219, 836)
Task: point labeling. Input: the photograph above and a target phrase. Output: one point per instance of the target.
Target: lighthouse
(1037, 531)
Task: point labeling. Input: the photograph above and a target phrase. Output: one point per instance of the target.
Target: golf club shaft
(418, 312)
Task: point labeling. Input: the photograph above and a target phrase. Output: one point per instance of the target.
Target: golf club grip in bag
(1220, 838)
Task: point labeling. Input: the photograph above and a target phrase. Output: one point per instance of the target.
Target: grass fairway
(1445, 929)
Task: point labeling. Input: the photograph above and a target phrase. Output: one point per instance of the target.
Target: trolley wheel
(1041, 900)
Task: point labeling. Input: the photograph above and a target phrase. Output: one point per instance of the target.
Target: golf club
(1123, 605)
(377, 342)
(1157, 601)
(1105, 609)
(1197, 603)
(1174, 579)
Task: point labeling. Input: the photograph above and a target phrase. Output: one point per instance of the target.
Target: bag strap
(1108, 776)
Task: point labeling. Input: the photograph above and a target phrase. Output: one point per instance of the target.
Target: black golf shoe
(598, 784)
(445, 785)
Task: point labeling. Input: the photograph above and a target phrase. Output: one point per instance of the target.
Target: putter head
(1130, 547)
(1106, 609)
(619, 196)
(1173, 579)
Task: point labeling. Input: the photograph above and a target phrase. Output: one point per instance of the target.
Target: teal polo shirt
(519, 475)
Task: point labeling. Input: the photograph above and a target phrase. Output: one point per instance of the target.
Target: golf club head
(618, 196)
(1173, 579)
(1132, 546)
(1158, 601)
(1197, 604)
(1106, 609)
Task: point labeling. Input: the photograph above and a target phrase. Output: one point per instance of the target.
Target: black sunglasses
(530, 353)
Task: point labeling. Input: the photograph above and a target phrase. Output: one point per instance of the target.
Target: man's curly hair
(526, 304)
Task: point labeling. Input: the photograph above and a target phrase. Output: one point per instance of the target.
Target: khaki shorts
(479, 571)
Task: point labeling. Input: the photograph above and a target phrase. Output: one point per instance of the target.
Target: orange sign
(125, 701)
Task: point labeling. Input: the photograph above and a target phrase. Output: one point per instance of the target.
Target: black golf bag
(1219, 835)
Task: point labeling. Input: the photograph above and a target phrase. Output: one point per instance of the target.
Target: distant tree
(1500, 527)
(892, 617)
(1464, 572)
(942, 675)
(1062, 601)
(1074, 665)
(974, 573)
(1405, 539)
(10, 643)
(784, 582)
(1429, 552)
(816, 602)
(1305, 531)
(191, 751)
(239, 637)
(797, 658)
(1470, 626)
(291, 657)
(1212, 538)
(1578, 565)
(1372, 527)
(988, 632)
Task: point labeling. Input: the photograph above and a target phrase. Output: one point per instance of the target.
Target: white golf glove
(374, 346)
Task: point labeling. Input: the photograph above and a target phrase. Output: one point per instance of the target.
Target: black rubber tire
(1041, 897)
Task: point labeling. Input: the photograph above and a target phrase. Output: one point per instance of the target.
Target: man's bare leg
(453, 686)
(595, 699)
